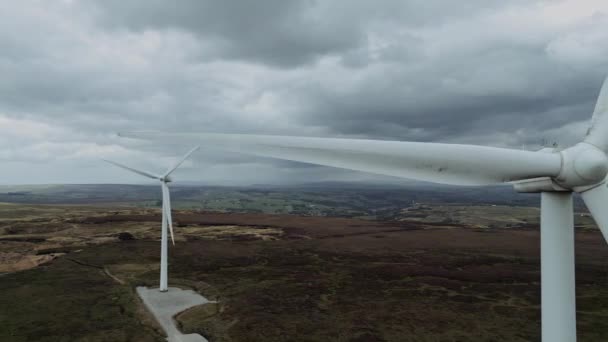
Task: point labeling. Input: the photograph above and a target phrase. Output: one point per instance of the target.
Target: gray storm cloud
(502, 73)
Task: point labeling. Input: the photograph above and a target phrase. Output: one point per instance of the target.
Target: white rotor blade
(163, 211)
(440, 163)
(598, 132)
(596, 200)
(167, 209)
(143, 173)
(171, 169)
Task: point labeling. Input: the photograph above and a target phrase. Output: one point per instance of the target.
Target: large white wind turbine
(166, 211)
(581, 168)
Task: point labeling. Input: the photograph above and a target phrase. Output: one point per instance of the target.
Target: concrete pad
(165, 305)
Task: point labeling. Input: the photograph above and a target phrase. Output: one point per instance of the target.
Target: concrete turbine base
(165, 305)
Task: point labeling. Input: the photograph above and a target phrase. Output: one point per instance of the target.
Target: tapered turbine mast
(556, 174)
(166, 211)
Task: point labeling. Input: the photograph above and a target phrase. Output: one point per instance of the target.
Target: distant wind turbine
(166, 211)
(555, 173)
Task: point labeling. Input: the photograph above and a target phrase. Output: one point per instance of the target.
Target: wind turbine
(556, 174)
(166, 211)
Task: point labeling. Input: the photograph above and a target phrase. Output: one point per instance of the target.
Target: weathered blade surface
(171, 169)
(433, 162)
(139, 172)
(598, 132)
(596, 200)
(167, 209)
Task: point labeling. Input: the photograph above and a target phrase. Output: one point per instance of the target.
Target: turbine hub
(582, 165)
(591, 165)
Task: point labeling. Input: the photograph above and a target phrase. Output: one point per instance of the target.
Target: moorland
(315, 264)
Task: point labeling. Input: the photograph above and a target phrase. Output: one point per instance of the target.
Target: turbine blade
(139, 172)
(163, 211)
(167, 209)
(598, 132)
(171, 169)
(434, 162)
(596, 200)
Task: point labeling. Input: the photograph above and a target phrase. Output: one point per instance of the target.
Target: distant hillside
(381, 201)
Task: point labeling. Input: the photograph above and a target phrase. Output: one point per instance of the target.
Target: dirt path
(104, 269)
(118, 280)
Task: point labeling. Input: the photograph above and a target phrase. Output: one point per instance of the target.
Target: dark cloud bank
(502, 73)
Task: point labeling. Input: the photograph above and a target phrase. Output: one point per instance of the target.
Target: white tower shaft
(558, 296)
(163, 252)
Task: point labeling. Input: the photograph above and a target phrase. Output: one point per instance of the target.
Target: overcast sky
(490, 72)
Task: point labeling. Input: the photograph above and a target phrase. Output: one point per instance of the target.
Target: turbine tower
(556, 174)
(166, 212)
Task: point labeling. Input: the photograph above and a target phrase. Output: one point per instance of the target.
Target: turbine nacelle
(583, 167)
